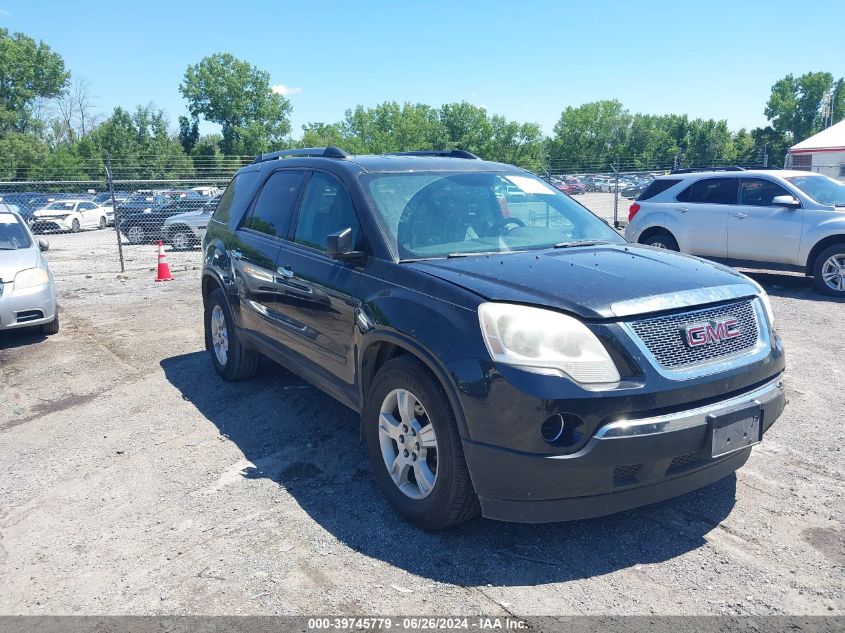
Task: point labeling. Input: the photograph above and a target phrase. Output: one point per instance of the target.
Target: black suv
(508, 355)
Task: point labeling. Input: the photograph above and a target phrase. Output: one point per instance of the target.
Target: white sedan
(69, 215)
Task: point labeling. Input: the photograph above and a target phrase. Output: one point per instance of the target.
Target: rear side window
(273, 208)
(236, 197)
(711, 191)
(757, 192)
(657, 186)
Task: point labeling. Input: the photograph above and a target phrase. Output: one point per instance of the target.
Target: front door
(761, 231)
(256, 248)
(318, 293)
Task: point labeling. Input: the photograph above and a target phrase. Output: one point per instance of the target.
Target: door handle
(741, 215)
(236, 254)
(285, 272)
(683, 209)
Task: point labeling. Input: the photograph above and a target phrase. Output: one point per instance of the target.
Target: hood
(50, 213)
(593, 282)
(187, 216)
(12, 262)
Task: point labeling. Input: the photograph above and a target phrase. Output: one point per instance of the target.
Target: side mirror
(339, 245)
(43, 245)
(786, 201)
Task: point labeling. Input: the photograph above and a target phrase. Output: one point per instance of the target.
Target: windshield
(822, 189)
(54, 206)
(12, 235)
(449, 214)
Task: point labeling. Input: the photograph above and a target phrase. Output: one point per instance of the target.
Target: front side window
(711, 191)
(326, 209)
(757, 192)
(438, 214)
(273, 209)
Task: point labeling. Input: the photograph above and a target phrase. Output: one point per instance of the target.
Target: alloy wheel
(180, 241)
(833, 272)
(135, 235)
(219, 335)
(408, 443)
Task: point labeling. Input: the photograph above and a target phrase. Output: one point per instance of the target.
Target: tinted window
(273, 208)
(711, 191)
(757, 192)
(657, 186)
(326, 209)
(236, 197)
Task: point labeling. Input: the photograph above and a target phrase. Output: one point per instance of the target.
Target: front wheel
(181, 239)
(102, 223)
(829, 270)
(414, 446)
(661, 240)
(75, 226)
(228, 355)
(135, 235)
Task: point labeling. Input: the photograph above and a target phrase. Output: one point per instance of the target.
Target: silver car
(768, 219)
(186, 230)
(27, 291)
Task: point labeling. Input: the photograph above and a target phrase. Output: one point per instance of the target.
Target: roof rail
(321, 152)
(692, 170)
(444, 153)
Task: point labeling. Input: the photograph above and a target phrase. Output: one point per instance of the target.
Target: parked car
(575, 185)
(27, 202)
(104, 200)
(27, 291)
(632, 191)
(144, 226)
(531, 370)
(186, 230)
(776, 220)
(69, 215)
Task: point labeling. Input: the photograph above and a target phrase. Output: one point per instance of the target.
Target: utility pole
(765, 154)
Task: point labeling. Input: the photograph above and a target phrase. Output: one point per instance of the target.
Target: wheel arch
(380, 347)
(818, 247)
(654, 230)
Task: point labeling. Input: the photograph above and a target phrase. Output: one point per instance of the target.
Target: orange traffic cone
(163, 268)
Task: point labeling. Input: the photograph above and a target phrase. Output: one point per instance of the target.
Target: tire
(661, 240)
(52, 327)
(75, 227)
(102, 223)
(135, 235)
(181, 238)
(829, 270)
(237, 363)
(452, 499)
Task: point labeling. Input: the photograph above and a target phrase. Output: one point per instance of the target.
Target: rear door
(702, 211)
(255, 249)
(760, 231)
(317, 293)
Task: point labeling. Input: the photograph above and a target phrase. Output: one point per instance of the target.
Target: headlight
(764, 298)
(545, 342)
(30, 278)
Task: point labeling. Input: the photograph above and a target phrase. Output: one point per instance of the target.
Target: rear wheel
(181, 238)
(229, 357)
(829, 270)
(414, 446)
(661, 240)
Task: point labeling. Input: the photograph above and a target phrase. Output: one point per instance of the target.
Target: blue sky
(525, 60)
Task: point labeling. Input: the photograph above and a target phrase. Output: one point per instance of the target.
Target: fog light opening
(553, 429)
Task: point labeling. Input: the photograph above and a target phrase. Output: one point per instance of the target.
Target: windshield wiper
(575, 243)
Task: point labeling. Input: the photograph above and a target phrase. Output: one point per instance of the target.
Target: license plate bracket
(735, 430)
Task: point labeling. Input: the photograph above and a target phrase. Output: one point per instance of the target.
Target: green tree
(593, 133)
(238, 96)
(189, 133)
(794, 107)
(29, 72)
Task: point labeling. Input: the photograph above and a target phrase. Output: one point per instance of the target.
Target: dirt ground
(134, 481)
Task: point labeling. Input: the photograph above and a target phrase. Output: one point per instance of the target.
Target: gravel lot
(137, 482)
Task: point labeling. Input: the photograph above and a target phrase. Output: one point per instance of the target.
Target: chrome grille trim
(659, 339)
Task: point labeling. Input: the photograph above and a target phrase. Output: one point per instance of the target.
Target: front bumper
(50, 224)
(625, 464)
(25, 308)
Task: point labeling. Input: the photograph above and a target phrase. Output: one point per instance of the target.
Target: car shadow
(304, 441)
(21, 337)
(793, 286)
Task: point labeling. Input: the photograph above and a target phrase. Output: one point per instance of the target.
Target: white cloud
(286, 91)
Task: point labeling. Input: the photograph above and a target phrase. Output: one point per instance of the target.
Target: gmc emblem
(700, 334)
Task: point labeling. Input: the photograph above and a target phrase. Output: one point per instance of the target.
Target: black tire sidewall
(428, 512)
(665, 238)
(817, 269)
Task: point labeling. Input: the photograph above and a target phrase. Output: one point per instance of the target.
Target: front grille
(664, 336)
(624, 475)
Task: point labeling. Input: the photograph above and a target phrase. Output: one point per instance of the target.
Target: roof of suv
(743, 173)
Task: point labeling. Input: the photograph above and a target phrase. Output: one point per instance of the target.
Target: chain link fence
(87, 233)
